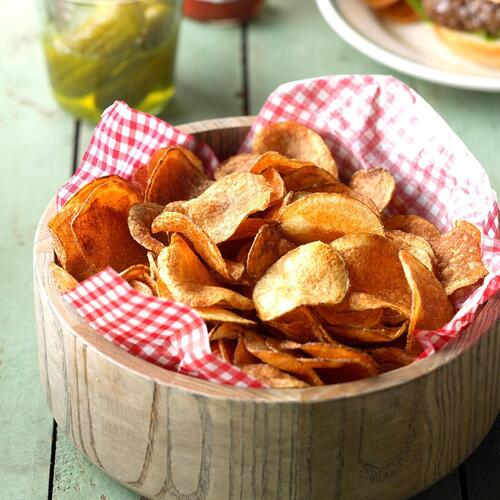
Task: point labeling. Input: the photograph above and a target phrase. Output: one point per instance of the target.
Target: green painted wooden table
(220, 72)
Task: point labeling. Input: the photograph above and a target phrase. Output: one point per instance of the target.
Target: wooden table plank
(36, 142)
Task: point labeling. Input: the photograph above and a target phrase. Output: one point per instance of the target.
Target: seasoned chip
(416, 245)
(226, 349)
(267, 247)
(282, 164)
(235, 164)
(221, 209)
(366, 318)
(139, 273)
(159, 156)
(172, 222)
(242, 355)
(274, 213)
(327, 216)
(459, 261)
(374, 269)
(413, 224)
(226, 331)
(272, 377)
(310, 275)
(376, 183)
(391, 358)
(308, 177)
(430, 307)
(190, 282)
(295, 141)
(221, 315)
(358, 334)
(141, 287)
(174, 177)
(248, 228)
(64, 281)
(140, 178)
(276, 182)
(140, 218)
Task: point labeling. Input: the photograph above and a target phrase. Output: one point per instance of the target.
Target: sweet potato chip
(221, 209)
(366, 318)
(282, 164)
(242, 355)
(235, 164)
(140, 178)
(226, 349)
(172, 222)
(391, 358)
(459, 261)
(430, 308)
(309, 275)
(64, 281)
(374, 269)
(175, 177)
(308, 177)
(221, 315)
(141, 273)
(376, 183)
(360, 335)
(141, 287)
(140, 218)
(272, 377)
(159, 156)
(413, 224)
(416, 245)
(267, 247)
(326, 217)
(295, 141)
(226, 331)
(189, 281)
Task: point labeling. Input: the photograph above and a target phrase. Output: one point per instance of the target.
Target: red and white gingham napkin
(367, 121)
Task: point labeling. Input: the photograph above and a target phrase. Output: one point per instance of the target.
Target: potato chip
(430, 307)
(416, 245)
(458, 255)
(282, 164)
(300, 325)
(141, 287)
(375, 183)
(267, 247)
(276, 182)
(160, 154)
(189, 281)
(141, 273)
(295, 141)
(366, 318)
(308, 177)
(391, 358)
(326, 217)
(140, 218)
(392, 317)
(221, 315)
(362, 335)
(98, 234)
(175, 177)
(469, 228)
(242, 355)
(374, 269)
(309, 275)
(221, 209)
(139, 178)
(174, 222)
(241, 162)
(248, 228)
(413, 224)
(274, 213)
(226, 349)
(272, 377)
(226, 331)
(64, 281)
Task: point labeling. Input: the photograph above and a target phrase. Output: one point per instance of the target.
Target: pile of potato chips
(301, 279)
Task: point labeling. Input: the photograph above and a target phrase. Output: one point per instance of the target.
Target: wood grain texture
(167, 435)
(30, 174)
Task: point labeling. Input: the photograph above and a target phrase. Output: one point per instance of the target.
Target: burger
(470, 28)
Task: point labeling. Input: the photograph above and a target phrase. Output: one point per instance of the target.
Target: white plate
(410, 48)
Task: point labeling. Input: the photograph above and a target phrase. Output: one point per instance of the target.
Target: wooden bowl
(166, 435)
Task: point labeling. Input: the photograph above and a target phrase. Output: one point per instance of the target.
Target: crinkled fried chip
(374, 269)
(366, 318)
(221, 315)
(295, 141)
(267, 247)
(172, 222)
(375, 183)
(140, 219)
(361, 335)
(430, 308)
(236, 164)
(309, 275)
(307, 178)
(416, 245)
(190, 282)
(413, 224)
(175, 177)
(221, 209)
(459, 260)
(391, 358)
(282, 164)
(64, 281)
(273, 377)
(326, 217)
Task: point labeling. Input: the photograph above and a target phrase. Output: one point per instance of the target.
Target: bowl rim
(70, 321)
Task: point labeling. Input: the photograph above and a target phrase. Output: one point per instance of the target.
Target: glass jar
(103, 50)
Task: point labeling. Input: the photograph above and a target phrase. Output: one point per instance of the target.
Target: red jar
(221, 10)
